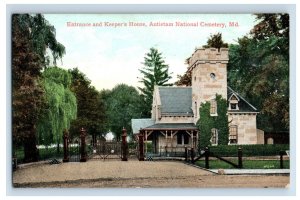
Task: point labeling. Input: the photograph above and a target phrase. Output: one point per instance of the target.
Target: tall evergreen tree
(154, 72)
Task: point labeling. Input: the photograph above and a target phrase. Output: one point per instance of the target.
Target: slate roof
(138, 124)
(244, 106)
(176, 101)
(172, 126)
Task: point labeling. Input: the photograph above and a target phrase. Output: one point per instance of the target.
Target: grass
(247, 164)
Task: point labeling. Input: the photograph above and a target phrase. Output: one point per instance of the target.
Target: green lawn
(247, 164)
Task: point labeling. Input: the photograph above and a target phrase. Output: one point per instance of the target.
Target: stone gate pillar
(82, 145)
(124, 145)
(66, 146)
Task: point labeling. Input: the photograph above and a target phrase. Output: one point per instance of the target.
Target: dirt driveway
(135, 174)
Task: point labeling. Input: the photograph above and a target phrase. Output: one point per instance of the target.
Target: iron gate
(105, 150)
(74, 150)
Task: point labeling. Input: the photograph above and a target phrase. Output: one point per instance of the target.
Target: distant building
(175, 110)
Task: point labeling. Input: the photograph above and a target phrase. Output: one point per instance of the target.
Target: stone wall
(246, 127)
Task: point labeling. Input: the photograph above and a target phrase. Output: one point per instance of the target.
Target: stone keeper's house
(175, 110)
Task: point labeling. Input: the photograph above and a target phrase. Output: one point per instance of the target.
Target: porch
(169, 140)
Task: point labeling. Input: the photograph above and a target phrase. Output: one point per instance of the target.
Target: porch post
(82, 145)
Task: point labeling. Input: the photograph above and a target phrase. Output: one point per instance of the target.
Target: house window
(233, 135)
(233, 106)
(213, 107)
(214, 136)
(182, 139)
(233, 102)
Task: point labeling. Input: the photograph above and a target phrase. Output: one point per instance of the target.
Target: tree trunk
(30, 150)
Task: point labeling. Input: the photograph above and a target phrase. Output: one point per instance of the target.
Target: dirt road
(135, 174)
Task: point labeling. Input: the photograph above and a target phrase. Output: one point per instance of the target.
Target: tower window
(213, 76)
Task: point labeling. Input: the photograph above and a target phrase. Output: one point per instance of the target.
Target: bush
(249, 150)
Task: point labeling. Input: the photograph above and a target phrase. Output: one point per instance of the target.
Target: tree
(60, 106)
(27, 62)
(154, 72)
(259, 69)
(43, 37)
(26, 93)
(91, 112)
(207, 122)
(123, 103)
(214, 41)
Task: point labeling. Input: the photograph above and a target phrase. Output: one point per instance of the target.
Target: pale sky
(112, 55)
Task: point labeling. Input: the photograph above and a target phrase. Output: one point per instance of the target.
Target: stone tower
(208, 68)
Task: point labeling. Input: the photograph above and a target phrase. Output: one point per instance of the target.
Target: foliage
(91, 113)
(154, 72)
(29, 46)
(208, 122)
(259, 69)
(26, 93)
(42, 36)
(215, 41)
(184, 80)
(249, 150)
(123, 103)
(247, 164)
(60, 106)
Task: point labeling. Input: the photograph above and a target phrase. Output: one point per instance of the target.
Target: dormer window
(234, 102)
(233, 106)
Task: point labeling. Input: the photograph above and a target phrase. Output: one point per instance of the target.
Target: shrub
(249, 150)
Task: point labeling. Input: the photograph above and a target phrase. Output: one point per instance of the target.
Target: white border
(213, 8)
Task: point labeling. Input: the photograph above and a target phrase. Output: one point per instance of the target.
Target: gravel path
(134, 174)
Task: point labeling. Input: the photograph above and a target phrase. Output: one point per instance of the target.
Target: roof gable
(244, 106)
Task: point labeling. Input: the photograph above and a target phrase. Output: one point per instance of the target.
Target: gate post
(185, 154)
(240, 158)
(206, 158)
(141, 147)
(82, 145)
(192, 155)
(281, 153)
(124, 145)
(66, 146)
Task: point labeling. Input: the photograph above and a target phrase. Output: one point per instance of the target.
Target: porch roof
(172, 126)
